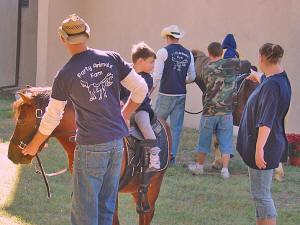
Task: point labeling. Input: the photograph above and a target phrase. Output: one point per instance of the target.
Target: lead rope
(41, 171)
(39, 114)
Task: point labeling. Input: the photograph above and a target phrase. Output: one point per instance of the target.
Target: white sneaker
(154, 158)
(196, 169)
(225, 174)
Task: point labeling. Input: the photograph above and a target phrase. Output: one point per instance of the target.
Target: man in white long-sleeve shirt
(174, 68)
(91, 80)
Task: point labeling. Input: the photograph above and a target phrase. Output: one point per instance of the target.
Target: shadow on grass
(30, 202)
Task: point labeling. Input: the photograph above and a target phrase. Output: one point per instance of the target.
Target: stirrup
(143, 205)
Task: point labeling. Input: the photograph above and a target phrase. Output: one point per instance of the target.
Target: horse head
(244, 92)
(26, 115)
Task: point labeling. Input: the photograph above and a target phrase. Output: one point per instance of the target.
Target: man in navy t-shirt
(91, 80)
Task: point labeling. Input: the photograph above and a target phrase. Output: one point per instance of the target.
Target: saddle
(132, 143)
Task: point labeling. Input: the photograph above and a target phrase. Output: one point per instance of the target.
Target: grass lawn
(184, 199)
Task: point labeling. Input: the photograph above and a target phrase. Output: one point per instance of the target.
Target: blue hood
(229, 42)
(230, 45)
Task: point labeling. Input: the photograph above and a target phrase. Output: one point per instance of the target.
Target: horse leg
(217, 164)
(116, 218)
(69, 147)
(153, 191)
(279, 173)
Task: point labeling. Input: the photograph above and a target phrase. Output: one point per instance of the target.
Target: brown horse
(32, 105)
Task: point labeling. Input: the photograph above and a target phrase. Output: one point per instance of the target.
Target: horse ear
(26, 98)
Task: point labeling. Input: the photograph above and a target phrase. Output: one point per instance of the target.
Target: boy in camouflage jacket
(219, 77)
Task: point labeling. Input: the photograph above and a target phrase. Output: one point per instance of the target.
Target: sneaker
(154, 161)
(225, 174)
(195, 169)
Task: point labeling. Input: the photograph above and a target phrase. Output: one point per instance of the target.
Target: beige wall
(8, 40)
(28, 52)
(28, 44)
(51, 52)
(117, 24)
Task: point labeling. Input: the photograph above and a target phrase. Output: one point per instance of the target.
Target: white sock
(200, 166)
(224, 170)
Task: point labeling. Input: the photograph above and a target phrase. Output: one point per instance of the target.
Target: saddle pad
(132, 166)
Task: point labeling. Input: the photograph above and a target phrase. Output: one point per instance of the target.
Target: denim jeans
(260, 185)
(96, 173)
(223, 126)
(172, 106)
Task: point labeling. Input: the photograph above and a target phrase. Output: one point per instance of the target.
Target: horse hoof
(278, 178)
(141, 210)
(216, 167)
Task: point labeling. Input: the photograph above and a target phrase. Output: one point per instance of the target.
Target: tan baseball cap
(74, 29)
(172, 30)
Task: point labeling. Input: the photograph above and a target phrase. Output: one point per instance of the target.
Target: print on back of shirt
(96, 90)
(180, 59)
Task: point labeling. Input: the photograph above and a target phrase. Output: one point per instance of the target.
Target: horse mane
(40, 95)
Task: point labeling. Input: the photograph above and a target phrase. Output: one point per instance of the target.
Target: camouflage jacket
(219, 78)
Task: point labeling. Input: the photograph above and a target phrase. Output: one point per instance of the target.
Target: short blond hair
(141, 50)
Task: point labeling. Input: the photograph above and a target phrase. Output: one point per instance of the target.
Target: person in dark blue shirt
(91, 79)
(261, 140)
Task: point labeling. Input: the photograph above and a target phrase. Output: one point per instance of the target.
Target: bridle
(22, 144)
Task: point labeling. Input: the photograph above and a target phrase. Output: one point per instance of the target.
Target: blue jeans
(223, 126)
(172, 106)
(260, 185)
(96, 173)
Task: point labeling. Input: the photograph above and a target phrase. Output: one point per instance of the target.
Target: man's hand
(259, 159)
(128, 109)
(31, 149)
(126, 119)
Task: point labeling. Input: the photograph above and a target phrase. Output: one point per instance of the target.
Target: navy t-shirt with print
(91, 79)
(146, 104)
(266, 106)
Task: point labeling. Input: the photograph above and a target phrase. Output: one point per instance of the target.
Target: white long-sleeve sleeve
(191, 73)
(161, 57)
(136, 85)
(54, 113)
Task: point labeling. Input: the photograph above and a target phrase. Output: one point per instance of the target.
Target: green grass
(184, 199)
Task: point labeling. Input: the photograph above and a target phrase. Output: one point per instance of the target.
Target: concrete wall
(28, 52)
(8, 40)
(116, 25)
(51, 53)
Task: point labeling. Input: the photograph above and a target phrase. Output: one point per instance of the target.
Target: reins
(193, 112)
(22, 144)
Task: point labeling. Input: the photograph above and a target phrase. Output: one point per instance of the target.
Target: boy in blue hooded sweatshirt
(229, 48)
